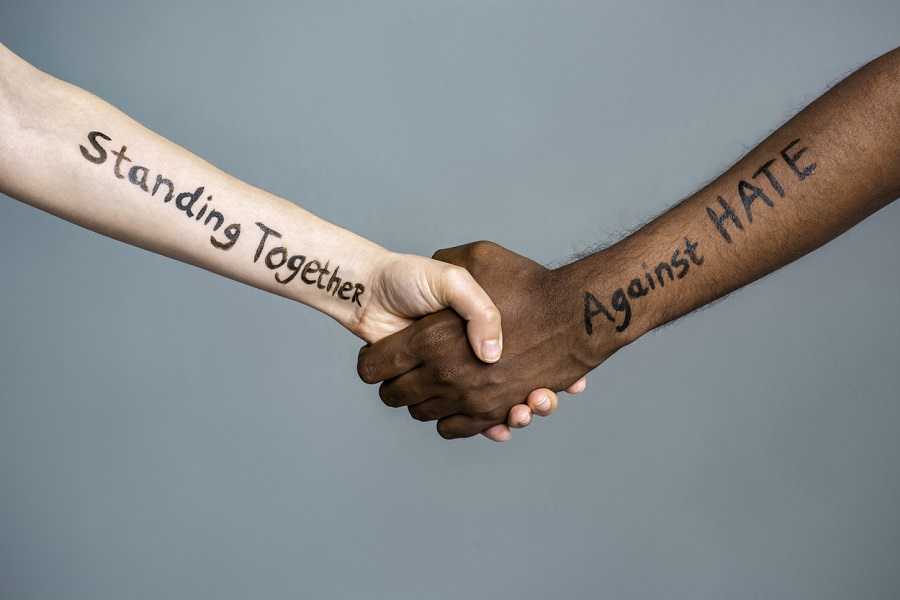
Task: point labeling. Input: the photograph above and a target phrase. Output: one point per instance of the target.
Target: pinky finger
(497, 433)
(577, 387)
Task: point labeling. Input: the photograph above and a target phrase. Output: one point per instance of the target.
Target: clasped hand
(430, 368)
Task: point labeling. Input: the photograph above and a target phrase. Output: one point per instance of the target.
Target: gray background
(166, 433)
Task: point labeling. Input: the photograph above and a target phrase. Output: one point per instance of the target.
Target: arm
(71, 154)
(829, 167)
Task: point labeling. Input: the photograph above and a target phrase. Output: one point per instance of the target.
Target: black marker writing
(185, 201)
(748, 193)
(657, 277)
(311, 272)
(196, 205)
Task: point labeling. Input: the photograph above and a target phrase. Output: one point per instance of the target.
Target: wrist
(563, 292)
(348, 291)
(605, 305)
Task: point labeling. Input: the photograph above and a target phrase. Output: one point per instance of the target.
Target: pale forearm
(822, 172)
(69, 153)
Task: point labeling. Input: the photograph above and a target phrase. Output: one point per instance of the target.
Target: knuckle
(391, 395)
(446, 431)
(481, 249)
(420, 414)
(458, 277)
(367, 371)
(489, 312)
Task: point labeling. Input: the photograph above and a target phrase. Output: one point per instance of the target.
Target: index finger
(400, 352)
(384, 360)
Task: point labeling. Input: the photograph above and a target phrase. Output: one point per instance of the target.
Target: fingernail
(544, 403)
(524, 422)
(490, 350)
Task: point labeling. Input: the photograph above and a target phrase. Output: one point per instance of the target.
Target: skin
(69, 153)
(826, 169)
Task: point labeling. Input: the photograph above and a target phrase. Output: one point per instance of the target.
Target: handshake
(431, 367)
(820, 173)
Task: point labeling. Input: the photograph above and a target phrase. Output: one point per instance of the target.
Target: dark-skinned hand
(430, 368)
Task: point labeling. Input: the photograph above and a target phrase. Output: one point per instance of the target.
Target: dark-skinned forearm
(826, 169)
(815, 177)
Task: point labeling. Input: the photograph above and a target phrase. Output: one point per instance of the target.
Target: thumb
(457, 289)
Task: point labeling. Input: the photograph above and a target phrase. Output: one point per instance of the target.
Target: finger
(497, 433)
(407, 390)
(461, 426)
(542, 402)
(384, 361)
(577, 387)
(433, 409)
(391, 356)
(457, 289)
(519, 416)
